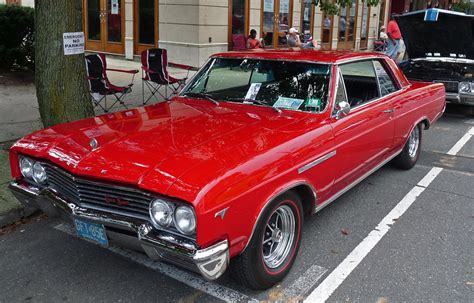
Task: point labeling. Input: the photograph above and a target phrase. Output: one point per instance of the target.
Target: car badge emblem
(221, 213)
(93, 144)
(116, 201)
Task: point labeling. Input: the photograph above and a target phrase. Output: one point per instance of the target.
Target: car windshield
(280, 84)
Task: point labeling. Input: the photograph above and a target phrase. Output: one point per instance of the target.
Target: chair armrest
(129, 71)
(182, 66)
(148, 70)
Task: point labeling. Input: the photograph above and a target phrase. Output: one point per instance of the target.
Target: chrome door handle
(389, 111)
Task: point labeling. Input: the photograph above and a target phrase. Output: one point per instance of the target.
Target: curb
(16, 214)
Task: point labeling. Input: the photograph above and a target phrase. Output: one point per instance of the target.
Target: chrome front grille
(450, 86)
(99, 195)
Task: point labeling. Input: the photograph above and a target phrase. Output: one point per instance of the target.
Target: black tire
(251, 267)
(407, 158)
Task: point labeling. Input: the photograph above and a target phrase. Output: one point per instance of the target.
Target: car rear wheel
(411, 151)
(274, 245)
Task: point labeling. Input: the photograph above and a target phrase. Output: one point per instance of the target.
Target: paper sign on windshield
(253, 91)
(290, 103)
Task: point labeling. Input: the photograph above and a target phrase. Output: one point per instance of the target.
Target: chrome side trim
(273, 197)
(344, 190)
(316, 162)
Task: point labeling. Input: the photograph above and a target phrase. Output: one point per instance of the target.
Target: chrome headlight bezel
(465, 88)
(183, 213)
(26, 166)
(167, 209)
(171, 222)
(39, 173)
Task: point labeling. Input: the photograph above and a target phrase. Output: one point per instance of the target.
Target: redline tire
(257, 267)
(411, 151)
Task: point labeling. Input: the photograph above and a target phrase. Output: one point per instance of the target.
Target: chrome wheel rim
(414, 142)
(278, 236)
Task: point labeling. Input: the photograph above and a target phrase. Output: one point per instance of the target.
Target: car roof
(301, 55)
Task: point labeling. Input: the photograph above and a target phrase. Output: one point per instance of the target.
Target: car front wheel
(274, 244)
(411, 151)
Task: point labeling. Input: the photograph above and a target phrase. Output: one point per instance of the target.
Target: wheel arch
(426, 123)
(303, 189)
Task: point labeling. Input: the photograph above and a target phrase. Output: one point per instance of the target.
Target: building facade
(192, 30)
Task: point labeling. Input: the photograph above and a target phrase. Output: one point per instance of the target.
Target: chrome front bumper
(460, 98)
(210, 262)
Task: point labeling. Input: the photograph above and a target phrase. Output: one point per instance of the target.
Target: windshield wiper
(244, 100)
(202, 96)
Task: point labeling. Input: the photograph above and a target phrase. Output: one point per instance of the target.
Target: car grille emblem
(93, 144)
(116, 201)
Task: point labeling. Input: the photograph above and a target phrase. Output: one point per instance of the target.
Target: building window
(307, 18)
(239, 17)
(145, 25)
(347, 25)
(276, 20)
(326, 31)
(364, 25)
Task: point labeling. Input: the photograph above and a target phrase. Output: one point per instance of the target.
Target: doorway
(347, 26)
(364, 26)
(276, 20)
(104, 25)
(326, 31)
(145, 25)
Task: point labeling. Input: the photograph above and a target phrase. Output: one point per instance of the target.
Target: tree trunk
(61, 81)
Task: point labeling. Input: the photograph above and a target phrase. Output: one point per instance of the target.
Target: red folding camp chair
(100, 86)
(155, 75)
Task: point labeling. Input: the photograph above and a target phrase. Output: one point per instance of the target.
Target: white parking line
(301, 286)
(190, 279)
(459, 145)
(344, 269)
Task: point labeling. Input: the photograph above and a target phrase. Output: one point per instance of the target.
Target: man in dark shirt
(394, 36)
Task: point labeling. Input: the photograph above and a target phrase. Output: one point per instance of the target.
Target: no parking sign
(73, 43)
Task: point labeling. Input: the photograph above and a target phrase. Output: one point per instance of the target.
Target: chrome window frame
(338, 79)
(400, 88)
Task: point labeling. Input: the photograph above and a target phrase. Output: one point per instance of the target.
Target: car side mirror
(343, 108)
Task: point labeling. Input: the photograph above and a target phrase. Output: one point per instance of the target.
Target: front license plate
(91, 231)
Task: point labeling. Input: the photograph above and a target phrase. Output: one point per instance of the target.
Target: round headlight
(465, 87)
(39, 173)
(26, 167)
(185, 220)
(161, 213)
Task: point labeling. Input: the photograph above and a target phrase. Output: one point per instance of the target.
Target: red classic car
(223, 174)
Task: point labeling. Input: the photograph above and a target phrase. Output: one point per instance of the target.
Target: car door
(364, 136)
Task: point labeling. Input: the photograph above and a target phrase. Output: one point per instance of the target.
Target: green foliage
(331, 7)
(344, 3)
(462, 6)
(16, 36)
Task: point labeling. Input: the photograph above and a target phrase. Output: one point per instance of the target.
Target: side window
(387, 85)
(361, 82)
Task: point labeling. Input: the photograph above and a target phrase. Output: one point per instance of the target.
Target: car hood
(450, 36)
(151, 147)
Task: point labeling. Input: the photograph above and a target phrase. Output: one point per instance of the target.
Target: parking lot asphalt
(425, 255)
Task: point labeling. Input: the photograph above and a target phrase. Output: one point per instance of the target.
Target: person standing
(394, 36)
